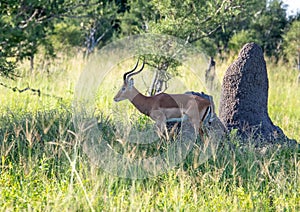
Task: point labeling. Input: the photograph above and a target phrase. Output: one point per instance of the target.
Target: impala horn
(132, 74)
(125, 75)
(128, 74)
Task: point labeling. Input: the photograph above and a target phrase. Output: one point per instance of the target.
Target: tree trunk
(31, 63)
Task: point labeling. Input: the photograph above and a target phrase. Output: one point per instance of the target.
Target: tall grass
(44, 168)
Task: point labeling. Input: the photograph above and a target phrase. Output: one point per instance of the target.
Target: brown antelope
(165, 107)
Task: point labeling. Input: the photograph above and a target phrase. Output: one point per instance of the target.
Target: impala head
(128, 84)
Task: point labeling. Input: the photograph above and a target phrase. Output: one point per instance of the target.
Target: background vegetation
(30, 27)
(44, 46)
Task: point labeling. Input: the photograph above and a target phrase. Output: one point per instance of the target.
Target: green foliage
(269, 26)
(189, 20)
(26, 27)
(214, 26)
(136, 19)
(292, 43)
(67, 35)
(240, 39)
(7, 67)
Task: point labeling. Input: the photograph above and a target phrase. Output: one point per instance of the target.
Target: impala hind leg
(201, 147)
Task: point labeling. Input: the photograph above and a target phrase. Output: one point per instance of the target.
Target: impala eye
(123, 88)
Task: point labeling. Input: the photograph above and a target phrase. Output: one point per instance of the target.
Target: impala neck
(140, 101)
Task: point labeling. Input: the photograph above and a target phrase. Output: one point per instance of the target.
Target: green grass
(44, 168)
(284, 99)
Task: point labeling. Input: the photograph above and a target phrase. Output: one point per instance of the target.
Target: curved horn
(125, 75)
(131, 74)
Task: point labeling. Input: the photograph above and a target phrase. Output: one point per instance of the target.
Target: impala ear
(131, 83)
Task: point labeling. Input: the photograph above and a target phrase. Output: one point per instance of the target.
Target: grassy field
(44, 168)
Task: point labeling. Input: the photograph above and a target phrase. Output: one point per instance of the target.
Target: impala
(166, 107)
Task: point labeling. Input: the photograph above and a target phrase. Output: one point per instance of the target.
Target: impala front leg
(160, 123)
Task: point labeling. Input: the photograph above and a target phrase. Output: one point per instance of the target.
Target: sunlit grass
(284, 99)
(43, 167)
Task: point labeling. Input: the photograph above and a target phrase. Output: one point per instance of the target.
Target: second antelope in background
(163, 107)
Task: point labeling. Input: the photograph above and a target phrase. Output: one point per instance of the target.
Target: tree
(27, 25)
(24, 26)
(292, 43)
(205, 23)
(269, 26)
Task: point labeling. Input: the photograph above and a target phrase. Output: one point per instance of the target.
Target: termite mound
(244, 98)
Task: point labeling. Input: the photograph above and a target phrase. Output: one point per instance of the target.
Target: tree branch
(205, 34)
(33, 90)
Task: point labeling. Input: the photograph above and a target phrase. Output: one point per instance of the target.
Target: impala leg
(162, 130)
(201, 132)
(195, 119)
(172, 131)
(199, 148)
(160, 123)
